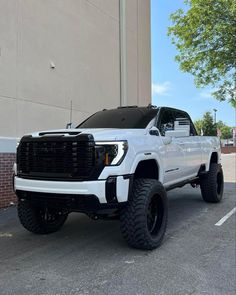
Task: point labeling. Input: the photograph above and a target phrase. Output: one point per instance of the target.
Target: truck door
(191, 146)
(173, 154)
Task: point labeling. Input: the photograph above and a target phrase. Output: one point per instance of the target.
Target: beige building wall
(55, 51)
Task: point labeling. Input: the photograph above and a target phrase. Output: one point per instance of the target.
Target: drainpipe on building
(123, 53)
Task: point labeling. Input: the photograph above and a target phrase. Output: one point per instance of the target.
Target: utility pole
(215, 110)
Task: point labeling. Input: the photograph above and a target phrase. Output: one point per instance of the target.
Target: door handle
(167, 140)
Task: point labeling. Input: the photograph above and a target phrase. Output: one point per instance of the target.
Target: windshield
(127, 118)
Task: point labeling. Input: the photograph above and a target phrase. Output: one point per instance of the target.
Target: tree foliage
(226, 131)
(206, 125)
(198, 125)
(205, 37)
(208, 128)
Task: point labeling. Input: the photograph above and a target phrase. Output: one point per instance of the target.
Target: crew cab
(118, 163)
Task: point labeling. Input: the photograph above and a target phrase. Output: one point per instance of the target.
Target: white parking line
(223, 219)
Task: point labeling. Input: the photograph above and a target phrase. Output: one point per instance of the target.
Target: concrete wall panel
(144, 49)
(34, 114)
(8, 117)
(132, 68)
(8, 48)
(132, 15)
(81, 38)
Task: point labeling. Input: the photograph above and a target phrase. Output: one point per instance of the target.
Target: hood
(98, 134)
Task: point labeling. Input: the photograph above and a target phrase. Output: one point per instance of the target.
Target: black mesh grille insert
(57, 158)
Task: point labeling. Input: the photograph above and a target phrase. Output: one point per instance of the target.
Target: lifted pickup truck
(118, 163)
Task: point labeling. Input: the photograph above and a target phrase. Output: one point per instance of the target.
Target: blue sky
(171, 87)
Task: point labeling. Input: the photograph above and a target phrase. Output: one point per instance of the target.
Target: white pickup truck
(118, 163)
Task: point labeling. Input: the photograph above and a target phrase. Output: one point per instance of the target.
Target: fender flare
(150, 156)
(209, 158)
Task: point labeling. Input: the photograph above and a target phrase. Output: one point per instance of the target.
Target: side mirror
(70, 126)
(154, 131)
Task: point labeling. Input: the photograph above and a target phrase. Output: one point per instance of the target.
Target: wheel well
(214, 158)
(147, 169)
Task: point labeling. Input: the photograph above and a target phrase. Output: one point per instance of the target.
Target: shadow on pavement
(82, 233)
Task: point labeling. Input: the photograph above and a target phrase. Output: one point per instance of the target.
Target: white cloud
(161, 88)
(206, 93)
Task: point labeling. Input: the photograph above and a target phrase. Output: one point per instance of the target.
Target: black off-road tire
(147, 204)
(212, 184)
(40, 220)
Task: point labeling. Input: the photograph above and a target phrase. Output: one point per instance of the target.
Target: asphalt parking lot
(90, 257)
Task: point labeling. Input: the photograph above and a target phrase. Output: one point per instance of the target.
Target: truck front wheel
(212, 184)
(40, 220)
(144, 218)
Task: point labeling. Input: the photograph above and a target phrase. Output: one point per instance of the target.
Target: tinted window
(167, 118)
(120, 118)
(180, 114)
(166, 122)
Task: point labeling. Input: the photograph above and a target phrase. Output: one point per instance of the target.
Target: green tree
(198, 125)
(206, 125)
(205, 37)
(226, 131)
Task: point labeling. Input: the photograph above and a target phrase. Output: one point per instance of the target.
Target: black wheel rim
(154, 215)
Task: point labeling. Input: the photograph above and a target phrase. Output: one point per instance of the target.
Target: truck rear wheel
(40, 220)
(212, 184)
(144, 218)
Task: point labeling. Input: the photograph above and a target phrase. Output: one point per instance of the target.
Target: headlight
(111, 152)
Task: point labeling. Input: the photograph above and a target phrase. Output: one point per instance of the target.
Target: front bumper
(99, 188)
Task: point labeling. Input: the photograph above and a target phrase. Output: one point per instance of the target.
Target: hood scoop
(58, 133)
